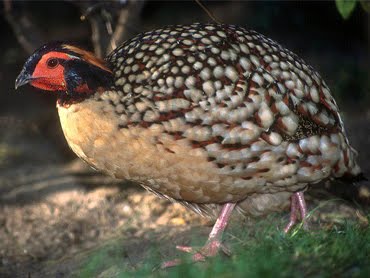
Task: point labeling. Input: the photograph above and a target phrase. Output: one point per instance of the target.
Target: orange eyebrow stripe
(55, 54)
(88, 56)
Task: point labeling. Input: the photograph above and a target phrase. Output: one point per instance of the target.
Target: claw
(213, 245)
(172, 263)
(211, 249)
(186, 249)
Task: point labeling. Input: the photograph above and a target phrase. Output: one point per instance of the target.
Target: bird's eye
(52, 63)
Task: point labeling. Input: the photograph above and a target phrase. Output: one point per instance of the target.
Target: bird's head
(66, 69)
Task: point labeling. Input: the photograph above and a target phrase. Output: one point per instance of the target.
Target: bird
(214, 116)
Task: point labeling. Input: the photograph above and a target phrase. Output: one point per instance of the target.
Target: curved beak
(22, 79)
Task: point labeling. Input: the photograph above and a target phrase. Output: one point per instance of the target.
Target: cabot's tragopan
(213, 116)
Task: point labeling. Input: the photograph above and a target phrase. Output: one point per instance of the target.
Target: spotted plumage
(263, 119)
(205, 114)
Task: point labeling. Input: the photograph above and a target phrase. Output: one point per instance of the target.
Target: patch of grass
(104, 261)
(259, 251)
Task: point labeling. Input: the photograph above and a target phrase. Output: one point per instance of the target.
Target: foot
(213, 245)
(210, 249)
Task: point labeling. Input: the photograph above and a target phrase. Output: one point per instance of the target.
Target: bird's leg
(213, 244)
(297, 203)
(302, 208)
(293, 213)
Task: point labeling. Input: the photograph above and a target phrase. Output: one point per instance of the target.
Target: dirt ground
(52, 212)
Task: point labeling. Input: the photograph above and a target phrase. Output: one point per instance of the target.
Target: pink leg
(303, 208)
(293, 213)
(213, 244)
(297, 203)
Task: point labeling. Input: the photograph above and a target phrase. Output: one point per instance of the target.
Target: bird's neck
(65, 99)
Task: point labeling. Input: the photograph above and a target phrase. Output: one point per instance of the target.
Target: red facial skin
(50, 79)
(53, 78)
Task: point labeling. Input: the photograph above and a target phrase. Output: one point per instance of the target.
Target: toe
(186, 249)
(171, 263)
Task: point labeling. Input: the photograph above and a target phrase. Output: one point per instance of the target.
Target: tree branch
(129, 15)
(27, 34)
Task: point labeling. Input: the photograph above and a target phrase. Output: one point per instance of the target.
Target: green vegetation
(346, 7)
(258, 251)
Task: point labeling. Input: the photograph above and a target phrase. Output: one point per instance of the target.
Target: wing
(219, 83)
(251, 106)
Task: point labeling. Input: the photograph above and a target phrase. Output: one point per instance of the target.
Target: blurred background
(50, 203)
